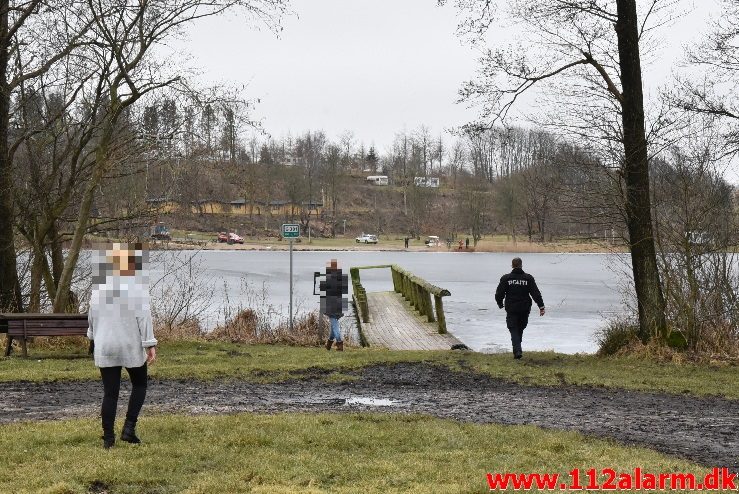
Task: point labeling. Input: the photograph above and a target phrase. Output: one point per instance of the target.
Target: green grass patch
(551, 369)
(342, 453)
(269, 363)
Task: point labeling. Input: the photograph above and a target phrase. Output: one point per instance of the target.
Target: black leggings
(112, 385)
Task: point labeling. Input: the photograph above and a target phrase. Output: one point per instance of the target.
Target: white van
(432, 241)
(378, 179)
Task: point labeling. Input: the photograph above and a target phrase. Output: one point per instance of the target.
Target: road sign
(290, 230)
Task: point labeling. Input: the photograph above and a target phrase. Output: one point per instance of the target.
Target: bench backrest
(44, 324)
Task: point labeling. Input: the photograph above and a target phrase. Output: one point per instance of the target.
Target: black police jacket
(518, 288)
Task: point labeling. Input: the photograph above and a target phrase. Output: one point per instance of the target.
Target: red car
(235, 239)
(230, 238)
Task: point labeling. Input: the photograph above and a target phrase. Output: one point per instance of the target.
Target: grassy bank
(300, 453)
(203, 360)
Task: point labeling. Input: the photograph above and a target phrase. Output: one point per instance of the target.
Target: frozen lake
(579, 289)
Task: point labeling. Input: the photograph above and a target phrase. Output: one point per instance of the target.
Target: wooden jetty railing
(414, 289)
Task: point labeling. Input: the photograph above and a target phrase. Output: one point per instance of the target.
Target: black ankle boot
(108, 440)
(129, 433)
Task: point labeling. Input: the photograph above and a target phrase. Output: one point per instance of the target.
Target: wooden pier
(404, 319)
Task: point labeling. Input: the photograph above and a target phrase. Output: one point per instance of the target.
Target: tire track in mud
(704, 430)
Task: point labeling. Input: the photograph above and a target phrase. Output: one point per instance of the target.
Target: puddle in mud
(373, 402)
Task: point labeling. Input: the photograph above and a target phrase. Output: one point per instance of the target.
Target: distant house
(312, 206)
(427, 182)
(242, 207)
(289, 208)
(378, 179)
(163, 205)
(278, 208)
(209, 206)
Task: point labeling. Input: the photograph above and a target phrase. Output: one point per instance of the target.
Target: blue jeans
(335, 329)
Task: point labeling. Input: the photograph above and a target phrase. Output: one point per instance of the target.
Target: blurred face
(123, 260)
(332, 264)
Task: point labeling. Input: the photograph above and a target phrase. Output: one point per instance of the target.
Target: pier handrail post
(406, 288)
(396, 279)
(440, 314)
(359, 294)
(415, 290)
(364, 306)
(429, 307)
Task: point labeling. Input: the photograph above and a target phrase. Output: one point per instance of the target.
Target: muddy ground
(704, 430)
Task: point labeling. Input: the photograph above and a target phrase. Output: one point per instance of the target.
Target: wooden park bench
(23, 326)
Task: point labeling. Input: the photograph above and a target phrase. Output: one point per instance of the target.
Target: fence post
(440, 314)
(429, 307)
(396, 280)
(413, 289)
(364, 307)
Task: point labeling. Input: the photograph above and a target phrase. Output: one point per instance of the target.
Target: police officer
(518, 288)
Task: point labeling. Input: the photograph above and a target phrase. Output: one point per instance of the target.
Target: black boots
(129, 433)
(108, 440)
(108, 436)
(328, 344)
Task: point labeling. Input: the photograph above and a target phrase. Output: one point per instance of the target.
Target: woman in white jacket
(121, 328)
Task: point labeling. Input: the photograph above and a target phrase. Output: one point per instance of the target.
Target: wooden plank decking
(395, 325)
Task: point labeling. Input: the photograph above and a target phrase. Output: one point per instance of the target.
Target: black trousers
(517, 322)
(112, 386)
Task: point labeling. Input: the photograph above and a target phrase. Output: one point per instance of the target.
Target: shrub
(616, 336)
(248, 327)
(186, 330)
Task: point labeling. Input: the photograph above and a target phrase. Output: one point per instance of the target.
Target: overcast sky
(371, 66)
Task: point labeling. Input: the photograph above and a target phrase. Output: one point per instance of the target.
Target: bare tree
(596, 46)
(473, 207)
(124, 38)
(715, 93)
(34, 37)
(457, 161)
(332, 181)
(697, 229)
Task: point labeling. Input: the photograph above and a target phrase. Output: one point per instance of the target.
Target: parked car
(230, 238)
(160, 232)
(366, 238)
(432, 241)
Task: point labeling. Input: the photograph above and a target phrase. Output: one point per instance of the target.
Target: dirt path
(705, 430)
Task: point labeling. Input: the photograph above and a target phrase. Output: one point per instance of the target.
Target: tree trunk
(34, 303)
(64, 298)
(10, 290)
(650, 300)
(57, 255)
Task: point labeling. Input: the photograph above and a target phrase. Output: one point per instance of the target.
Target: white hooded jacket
(120, 322)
